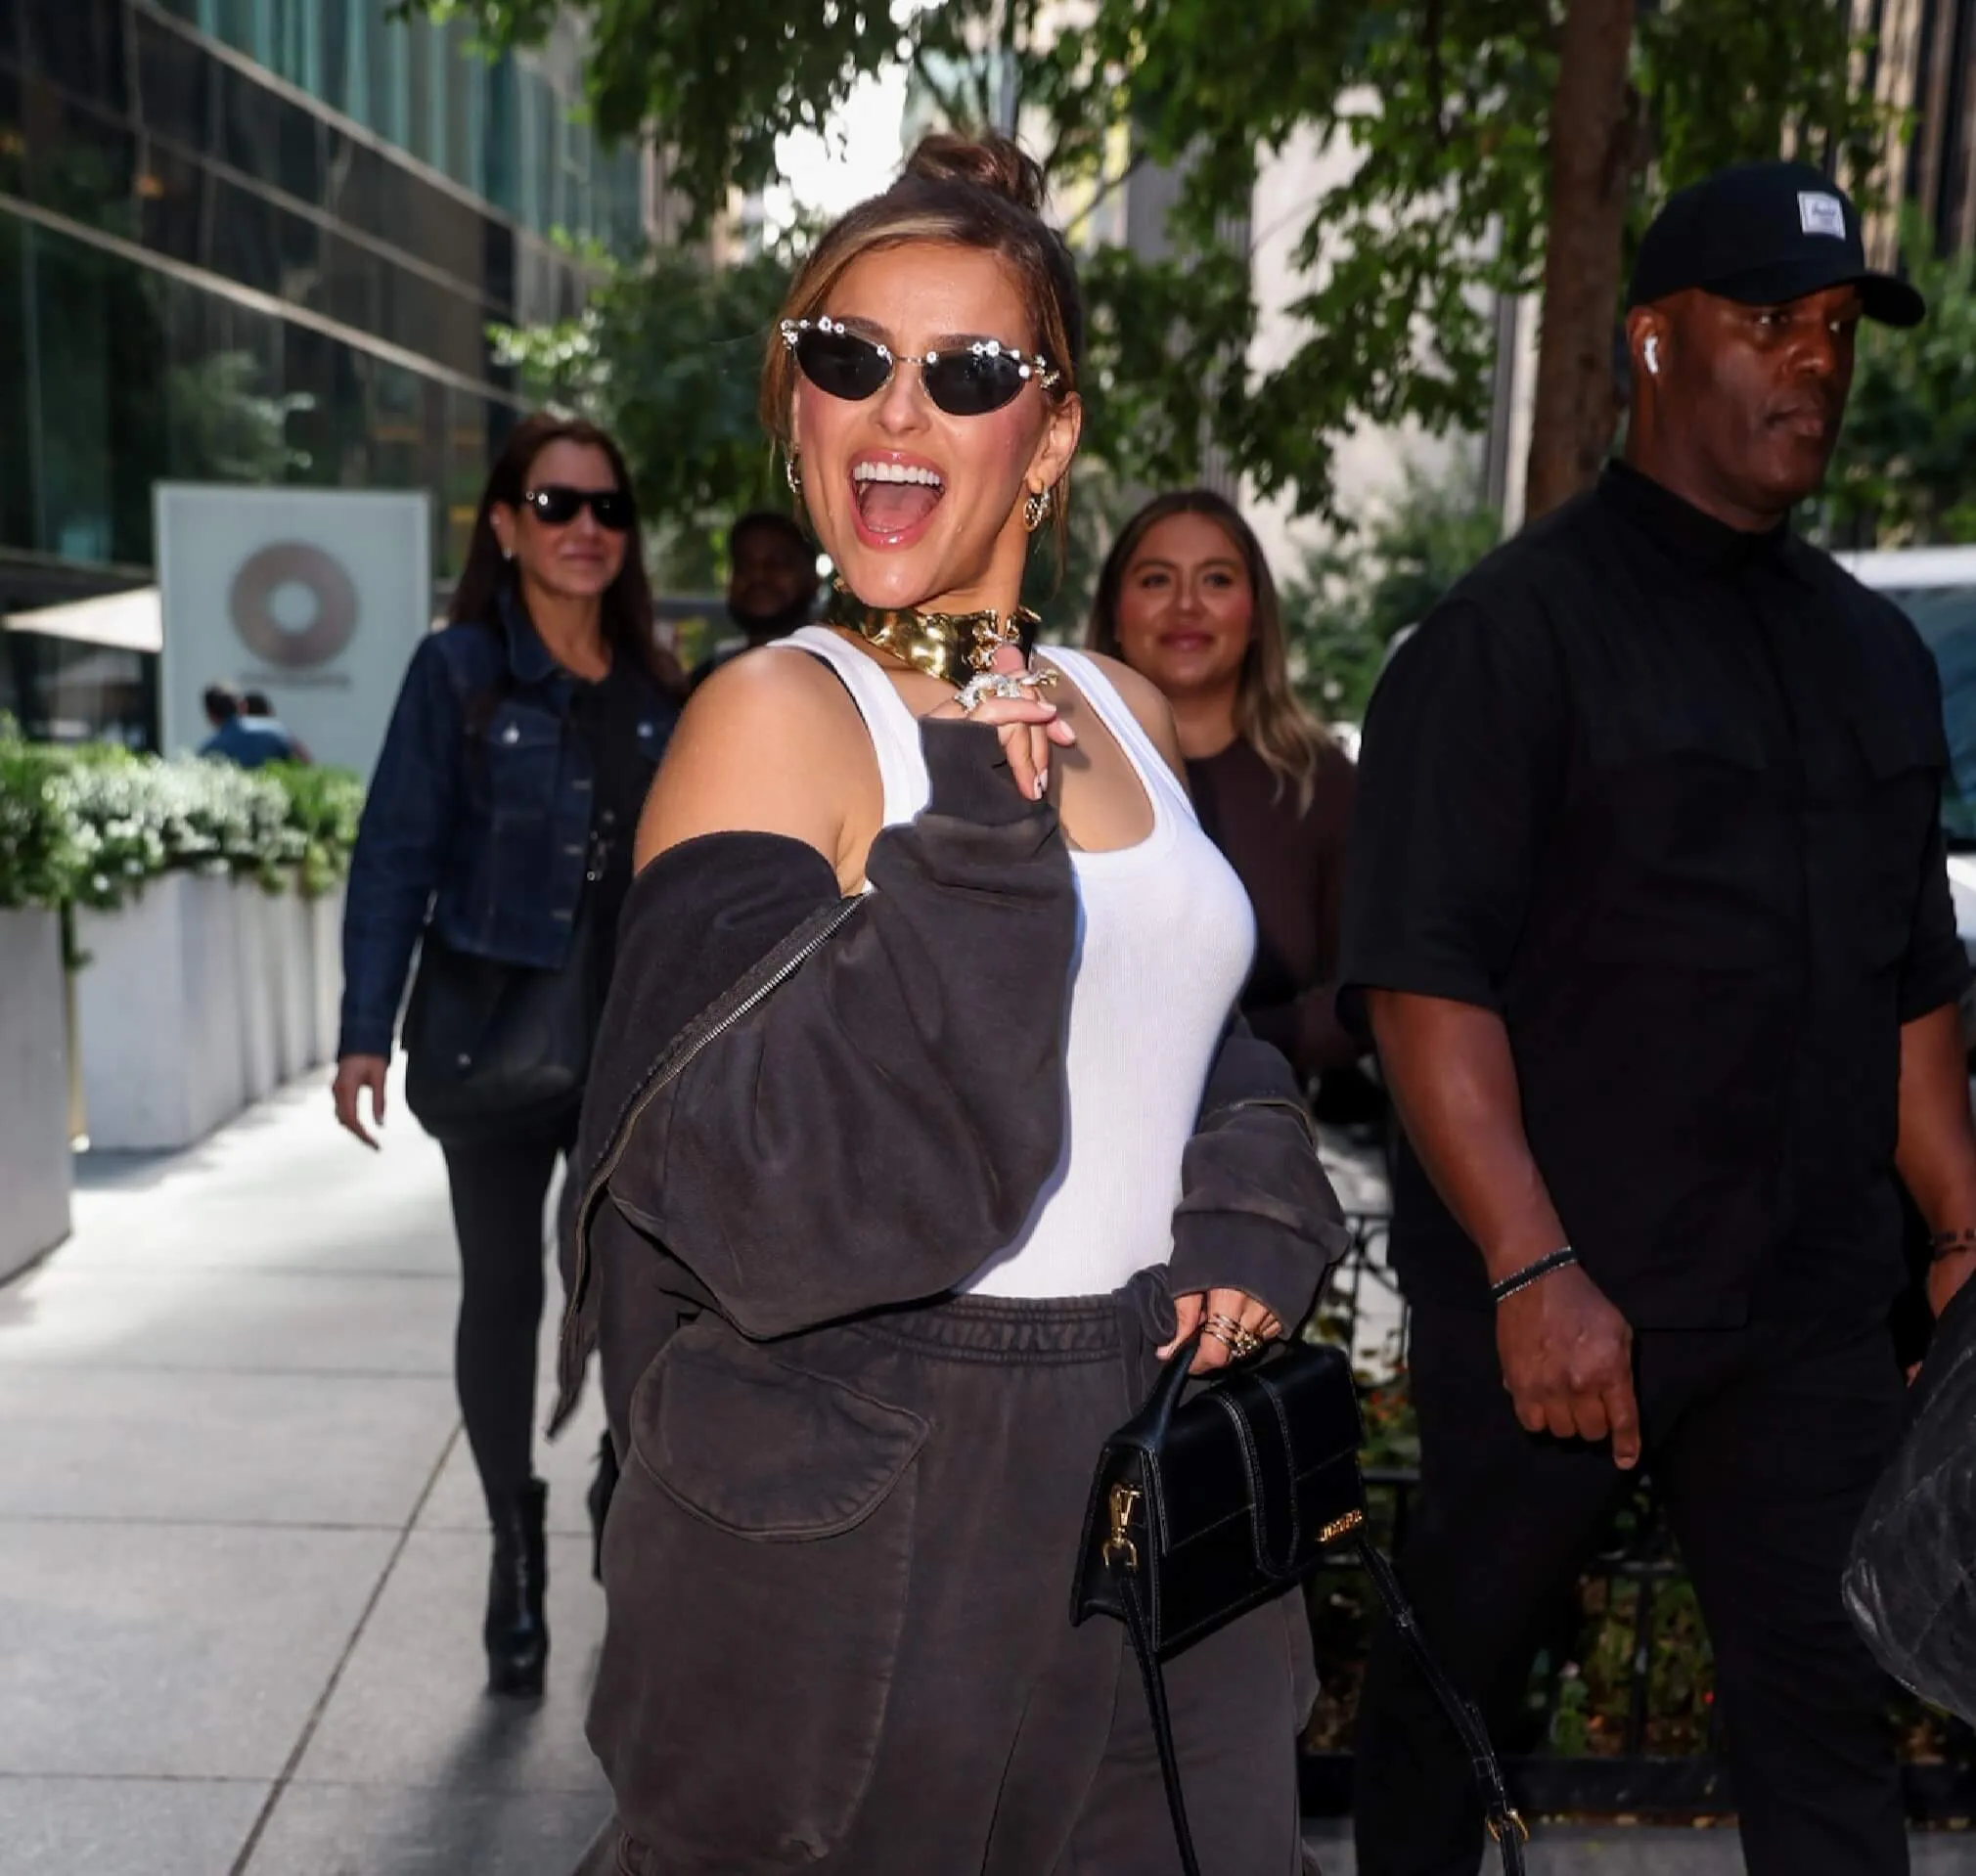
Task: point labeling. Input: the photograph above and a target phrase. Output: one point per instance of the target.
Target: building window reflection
(208, 276)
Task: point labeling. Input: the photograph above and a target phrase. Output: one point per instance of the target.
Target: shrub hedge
(87, 826)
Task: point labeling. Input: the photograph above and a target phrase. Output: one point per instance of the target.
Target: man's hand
(1567, 1361)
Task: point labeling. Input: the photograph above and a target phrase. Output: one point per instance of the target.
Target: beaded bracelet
(1530, 1273)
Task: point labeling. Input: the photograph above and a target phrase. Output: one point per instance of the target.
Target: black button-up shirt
(1664, 795)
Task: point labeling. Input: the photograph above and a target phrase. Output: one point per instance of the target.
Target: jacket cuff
(1280, 1270)
(364, 1037)
(969, 775)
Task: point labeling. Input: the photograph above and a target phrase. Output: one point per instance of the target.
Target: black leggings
(499, 1191)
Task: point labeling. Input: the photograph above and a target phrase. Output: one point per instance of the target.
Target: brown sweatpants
(838, 1577)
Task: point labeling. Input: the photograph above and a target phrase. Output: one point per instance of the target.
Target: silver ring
(978, 689)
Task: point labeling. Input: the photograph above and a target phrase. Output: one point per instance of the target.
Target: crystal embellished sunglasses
(557, 505)
(980, 376)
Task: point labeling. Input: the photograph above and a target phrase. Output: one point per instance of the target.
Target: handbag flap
(1260, 1446)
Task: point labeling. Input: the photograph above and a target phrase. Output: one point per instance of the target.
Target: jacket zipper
(580, 1285)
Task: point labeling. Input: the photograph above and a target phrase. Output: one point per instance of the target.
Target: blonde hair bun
(996, 163)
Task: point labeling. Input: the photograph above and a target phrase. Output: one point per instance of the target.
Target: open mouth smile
(893, 498)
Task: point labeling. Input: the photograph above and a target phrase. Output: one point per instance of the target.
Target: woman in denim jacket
(509, 785)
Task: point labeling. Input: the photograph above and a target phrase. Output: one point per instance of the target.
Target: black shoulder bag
(1206, 1508)
(495, 1049)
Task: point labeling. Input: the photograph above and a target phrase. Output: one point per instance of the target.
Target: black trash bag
(1910, 1582)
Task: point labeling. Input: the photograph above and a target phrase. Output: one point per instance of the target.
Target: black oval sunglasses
(983, 376)
(557, 505)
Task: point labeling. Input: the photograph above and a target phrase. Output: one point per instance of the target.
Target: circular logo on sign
(293, 604)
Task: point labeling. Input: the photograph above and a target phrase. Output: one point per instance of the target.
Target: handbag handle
(1507, 1828)
(1166, 1392)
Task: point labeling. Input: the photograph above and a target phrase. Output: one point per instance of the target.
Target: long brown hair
(1269, 716)
(627, 605)
(986, 193)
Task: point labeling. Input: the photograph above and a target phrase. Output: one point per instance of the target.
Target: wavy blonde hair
(1269, 715)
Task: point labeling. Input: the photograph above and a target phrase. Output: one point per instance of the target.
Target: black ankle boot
(517, 1633)
(601, 1489)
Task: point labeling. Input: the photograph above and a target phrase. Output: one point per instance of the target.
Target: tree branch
(1111, 186)
(1437, 75)
(947, 98)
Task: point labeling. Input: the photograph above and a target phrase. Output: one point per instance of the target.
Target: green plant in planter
(324, 806)
(138, 817)
(41, 856)
(112, 809)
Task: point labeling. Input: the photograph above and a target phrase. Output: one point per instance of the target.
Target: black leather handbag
(1207, 1507)
(1909, 1585)
(496, 1051)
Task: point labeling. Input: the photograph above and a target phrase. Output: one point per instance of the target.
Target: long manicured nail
(1042, 783)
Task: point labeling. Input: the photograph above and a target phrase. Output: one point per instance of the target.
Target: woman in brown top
(1186, 600)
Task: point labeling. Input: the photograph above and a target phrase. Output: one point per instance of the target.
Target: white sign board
(316, 597)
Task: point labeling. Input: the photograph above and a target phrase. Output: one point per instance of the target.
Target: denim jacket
(477, 819)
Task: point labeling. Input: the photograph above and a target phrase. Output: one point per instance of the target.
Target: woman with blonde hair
(1186, 600)
(895, 1184)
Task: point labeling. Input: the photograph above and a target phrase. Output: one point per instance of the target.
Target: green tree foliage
(667, 356)
(1445, 104)
(1343, 610)
(1906, 470)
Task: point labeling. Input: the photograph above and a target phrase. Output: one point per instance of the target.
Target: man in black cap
(1648, 903)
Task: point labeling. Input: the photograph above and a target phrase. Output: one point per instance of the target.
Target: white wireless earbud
(1653, 356)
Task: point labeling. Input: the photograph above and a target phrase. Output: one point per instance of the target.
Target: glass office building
(262, 241)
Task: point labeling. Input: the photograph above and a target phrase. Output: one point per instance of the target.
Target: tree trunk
(1592, 126)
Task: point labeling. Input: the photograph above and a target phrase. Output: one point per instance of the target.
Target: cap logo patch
(1822, 215)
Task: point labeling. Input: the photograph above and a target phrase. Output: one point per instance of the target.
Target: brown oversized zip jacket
(805, 1107)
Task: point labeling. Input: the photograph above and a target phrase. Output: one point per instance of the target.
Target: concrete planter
(160, 1014)
(326, 955)
(35, 1164)
(253, 914)
(294, 986)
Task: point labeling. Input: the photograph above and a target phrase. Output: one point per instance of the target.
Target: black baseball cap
(1765, 234)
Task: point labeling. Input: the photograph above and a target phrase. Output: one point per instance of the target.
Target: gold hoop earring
(1036, 510)
(792, 473)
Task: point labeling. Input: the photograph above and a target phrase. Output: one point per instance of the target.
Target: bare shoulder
(770, 744)
(1149, 706)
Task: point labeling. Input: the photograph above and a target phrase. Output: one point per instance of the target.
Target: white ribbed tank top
(1165, 936)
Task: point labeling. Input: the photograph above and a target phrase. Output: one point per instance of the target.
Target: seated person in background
(1186, 600)
(234, 738)
(772, 587)
(257, 714)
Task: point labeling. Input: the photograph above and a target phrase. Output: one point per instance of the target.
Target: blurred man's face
(773, 574)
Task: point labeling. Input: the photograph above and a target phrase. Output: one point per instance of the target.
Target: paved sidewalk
(242, 1548)
(243, 1553)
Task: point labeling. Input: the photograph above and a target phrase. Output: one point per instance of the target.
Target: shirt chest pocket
(524, 747)
(1688, 851)
(1878, 835)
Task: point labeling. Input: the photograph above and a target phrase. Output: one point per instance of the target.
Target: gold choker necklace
(951, 646)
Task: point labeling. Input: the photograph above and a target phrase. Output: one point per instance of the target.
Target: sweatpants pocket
(756, 1566)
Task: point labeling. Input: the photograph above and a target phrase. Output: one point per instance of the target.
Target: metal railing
(1619, 1716)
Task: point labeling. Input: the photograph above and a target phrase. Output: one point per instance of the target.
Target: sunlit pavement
(242, 1548)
